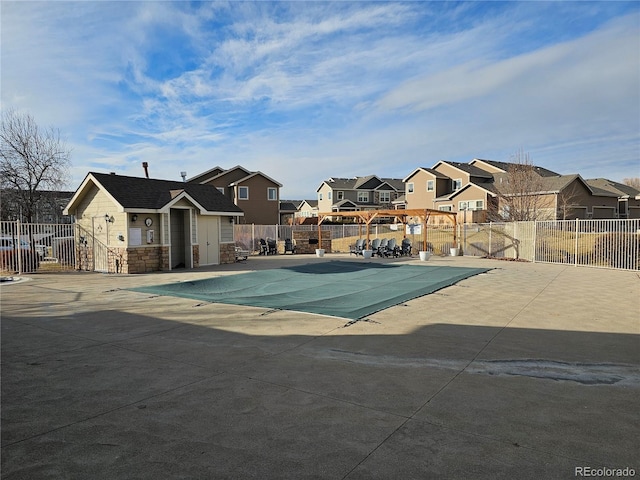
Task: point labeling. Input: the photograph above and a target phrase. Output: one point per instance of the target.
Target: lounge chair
(272, 246)
(405, 249)
(392, 248)
(375, 244)
(264, 248)
(382, 248)
(357, 247)
(289, 246)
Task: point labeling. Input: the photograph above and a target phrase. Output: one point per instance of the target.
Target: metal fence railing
(593, 243)
(26, 247)
(30, 247)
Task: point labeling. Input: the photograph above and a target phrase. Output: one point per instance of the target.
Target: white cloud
(343, 89)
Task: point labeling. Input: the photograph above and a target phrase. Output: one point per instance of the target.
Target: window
(243, 193)
(445, 208)
(472, 205)
(220, 189)
(320, 196)
(430, 185)
(409, 187)
(272, 193)
(385, 197)
(340, 195)
(363, 196)
(329, 196)
(457, 184)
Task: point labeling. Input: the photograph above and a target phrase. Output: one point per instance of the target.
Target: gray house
(359, 193)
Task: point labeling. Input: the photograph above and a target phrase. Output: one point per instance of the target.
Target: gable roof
(138, 193)
(204, 176)
(620, 189)
(506, 166)
(251, 175)
(431, 171)
(289, 205)
(369, 182)
(555, 185)
(466, 168)
(218, 172)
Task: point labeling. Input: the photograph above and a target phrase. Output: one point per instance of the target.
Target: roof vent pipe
(145, 165)
(184, 176)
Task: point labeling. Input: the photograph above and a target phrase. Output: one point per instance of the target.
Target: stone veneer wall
(302, 241)
(227, 253)
(196, 255)
(136, 260)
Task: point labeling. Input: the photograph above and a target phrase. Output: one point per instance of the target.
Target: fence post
(575, 252)
(535, 239)
(18, 246)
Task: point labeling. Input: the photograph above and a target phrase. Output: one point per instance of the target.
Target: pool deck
(527, 371)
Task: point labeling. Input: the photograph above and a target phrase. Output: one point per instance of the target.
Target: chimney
(145, 165)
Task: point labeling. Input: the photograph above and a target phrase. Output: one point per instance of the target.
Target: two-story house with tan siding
(477, 187)
(358, 193)
(257, 194)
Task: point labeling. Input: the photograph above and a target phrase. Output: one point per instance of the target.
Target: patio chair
(273, 246)
(375, 244)
(289, 246)
(264, 248)
(357, 247)
(405, 248)
(382, 248)
(392, 248)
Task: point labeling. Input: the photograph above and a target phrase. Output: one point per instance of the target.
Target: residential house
(288, 210)
(255, 193)
(449, 185)
(136, 225)
(628, 197)
(474, 190)
(48, 206)
(358, 193)
(307, 209)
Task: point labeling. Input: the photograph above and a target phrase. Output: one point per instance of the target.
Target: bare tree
(519, 191)
(32, 159)
(569, 202)
(632, 182)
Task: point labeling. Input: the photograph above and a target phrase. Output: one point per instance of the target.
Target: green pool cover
(342, 289)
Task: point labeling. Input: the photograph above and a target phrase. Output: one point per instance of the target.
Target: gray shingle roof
(149, 193)
(611, 186)
(369, 182)
(470, 169)
(543, 172)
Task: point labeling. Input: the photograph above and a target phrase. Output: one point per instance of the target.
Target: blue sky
(304, 91)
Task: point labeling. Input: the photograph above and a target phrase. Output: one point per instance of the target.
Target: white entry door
(209, 239)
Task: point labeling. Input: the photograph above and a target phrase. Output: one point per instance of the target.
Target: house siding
(258, 208)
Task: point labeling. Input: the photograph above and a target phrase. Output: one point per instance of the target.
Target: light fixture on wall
(230, 219)
(134, 217)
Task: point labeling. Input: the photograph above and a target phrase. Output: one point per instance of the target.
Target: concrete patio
(527, 371)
